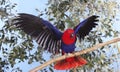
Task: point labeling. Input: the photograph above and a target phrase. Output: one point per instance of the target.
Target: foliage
(16, 46)
(6, 9)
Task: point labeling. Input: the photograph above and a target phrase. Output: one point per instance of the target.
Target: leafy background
(16, 47)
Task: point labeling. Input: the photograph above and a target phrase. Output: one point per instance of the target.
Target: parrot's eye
(72, 35)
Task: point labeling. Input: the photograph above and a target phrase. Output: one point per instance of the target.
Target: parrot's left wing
(47, 36)
(83, 28)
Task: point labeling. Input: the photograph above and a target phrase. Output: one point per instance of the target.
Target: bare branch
(75, 54)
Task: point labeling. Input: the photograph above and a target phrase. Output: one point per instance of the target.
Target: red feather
(66, 38)
(69, 63)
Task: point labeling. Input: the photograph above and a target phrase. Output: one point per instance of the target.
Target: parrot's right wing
(47, 35)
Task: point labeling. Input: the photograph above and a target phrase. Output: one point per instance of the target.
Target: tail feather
(69, 63)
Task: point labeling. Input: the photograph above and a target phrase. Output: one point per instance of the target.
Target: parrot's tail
(68, 63)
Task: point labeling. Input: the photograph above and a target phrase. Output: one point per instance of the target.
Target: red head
(69, 37)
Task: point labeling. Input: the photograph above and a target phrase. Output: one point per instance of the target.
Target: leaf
(51, 70)
(51, 19)
(30, 61)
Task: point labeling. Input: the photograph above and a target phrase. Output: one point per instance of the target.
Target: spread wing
(47, 36)
(84, 27)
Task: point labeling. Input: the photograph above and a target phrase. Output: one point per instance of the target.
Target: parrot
(51, 39)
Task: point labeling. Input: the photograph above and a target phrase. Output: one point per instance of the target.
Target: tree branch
(75, 54)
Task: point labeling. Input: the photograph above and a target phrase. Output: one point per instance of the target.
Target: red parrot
(53, 40)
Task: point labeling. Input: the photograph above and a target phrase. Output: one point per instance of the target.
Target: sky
(29, 6)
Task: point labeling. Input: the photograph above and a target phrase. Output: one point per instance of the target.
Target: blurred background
(20, 53)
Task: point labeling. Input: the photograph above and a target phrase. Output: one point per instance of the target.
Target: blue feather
(84, 27)
(52, 28)
(40, 30)
(68, 48)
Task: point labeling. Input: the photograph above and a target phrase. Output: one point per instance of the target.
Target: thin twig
(69, 19)
(75, 54)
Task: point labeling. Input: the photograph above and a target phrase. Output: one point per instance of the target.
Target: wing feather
(41, 30)
(84, 27)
